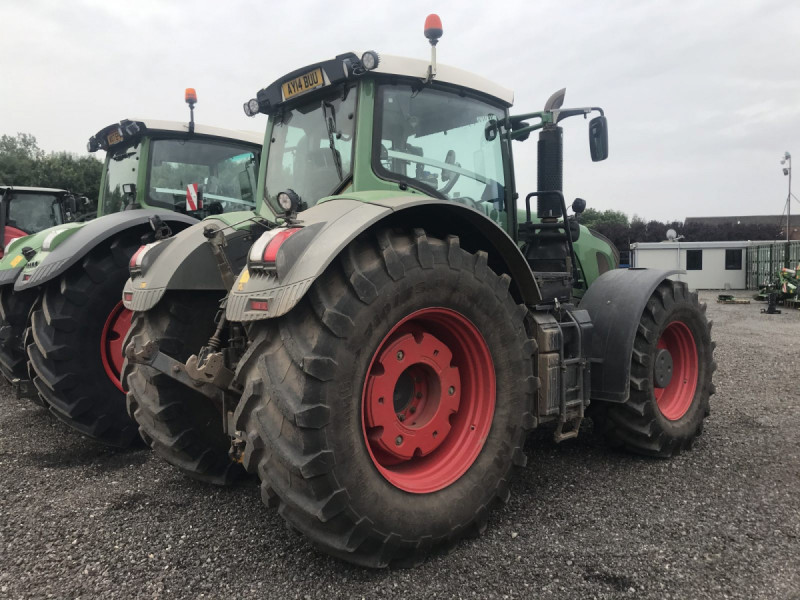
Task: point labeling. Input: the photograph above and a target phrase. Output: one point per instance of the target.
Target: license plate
(115, 137)
(304, 83)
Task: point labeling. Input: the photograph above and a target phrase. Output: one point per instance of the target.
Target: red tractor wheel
(386, 412)
(671, 370)
(114, 331)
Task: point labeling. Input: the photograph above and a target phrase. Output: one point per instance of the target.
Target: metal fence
(765, 260)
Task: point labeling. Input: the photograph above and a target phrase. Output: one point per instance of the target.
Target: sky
(702, 97)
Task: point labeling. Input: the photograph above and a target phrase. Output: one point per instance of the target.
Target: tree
(23, 163)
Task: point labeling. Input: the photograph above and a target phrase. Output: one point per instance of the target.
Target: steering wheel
(449, 176)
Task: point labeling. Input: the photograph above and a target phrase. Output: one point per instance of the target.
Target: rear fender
(332, 225)
(185, 262)
(46, 266)
(615, 302)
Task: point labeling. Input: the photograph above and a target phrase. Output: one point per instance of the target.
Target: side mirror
(129, 189)
(578, 205)
(71, 205)
(598, 138)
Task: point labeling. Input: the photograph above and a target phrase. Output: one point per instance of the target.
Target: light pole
(788, 172)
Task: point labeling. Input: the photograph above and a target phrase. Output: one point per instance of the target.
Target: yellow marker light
(17, 259)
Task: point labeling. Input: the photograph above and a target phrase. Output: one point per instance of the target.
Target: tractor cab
(28, 210)
(194, 170)
(358, 125)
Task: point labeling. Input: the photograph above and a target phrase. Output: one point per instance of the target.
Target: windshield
(311, 151)
(202, 176)
(34, 212)
(121, 168)
(436, 141)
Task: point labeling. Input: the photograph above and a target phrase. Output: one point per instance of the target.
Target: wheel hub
(662, 368)
(415, 373)
(111, 339)
(428, 400)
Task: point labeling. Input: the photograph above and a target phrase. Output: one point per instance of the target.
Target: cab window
(436, 142)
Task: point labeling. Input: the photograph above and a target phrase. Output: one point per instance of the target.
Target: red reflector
(271, 251)
(135, 256)
(26, 277)
(259, 305)
(127, 296)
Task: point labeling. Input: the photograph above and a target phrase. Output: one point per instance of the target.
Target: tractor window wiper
(330, 125)
(119, 157)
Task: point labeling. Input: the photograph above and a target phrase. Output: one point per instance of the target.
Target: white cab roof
(693, 245)
(183, 126)
(25, 188)
(414, 67)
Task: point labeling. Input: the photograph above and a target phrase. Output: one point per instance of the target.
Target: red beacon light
(191, 99)
(190, 96)
(433, 31)
(433, 28)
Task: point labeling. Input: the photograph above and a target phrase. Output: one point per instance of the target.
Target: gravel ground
(722, 521)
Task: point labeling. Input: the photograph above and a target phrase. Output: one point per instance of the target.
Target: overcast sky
(703, 98)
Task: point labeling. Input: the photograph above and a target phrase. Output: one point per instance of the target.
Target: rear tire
(665, 421)
(14, 310)
(66, 357)
(308, 381)
(181, 426)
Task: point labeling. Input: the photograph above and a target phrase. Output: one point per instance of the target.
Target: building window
(733, 260)
(694, 260)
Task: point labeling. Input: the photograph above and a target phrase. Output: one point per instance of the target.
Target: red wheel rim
(428, 400)
(676, 398)
(114, 331)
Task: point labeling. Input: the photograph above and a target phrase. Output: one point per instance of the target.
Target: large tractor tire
(181, 426)
(76, 349)
(14, 310)
(671, 370)
(386, 413)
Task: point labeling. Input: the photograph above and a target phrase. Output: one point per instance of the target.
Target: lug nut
(400, 355)
(451, 390)
(398, 440)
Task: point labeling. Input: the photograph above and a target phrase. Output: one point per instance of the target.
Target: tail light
(264, 252)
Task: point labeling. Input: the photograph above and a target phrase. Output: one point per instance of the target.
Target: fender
(615, 302)
(186, 262)
(86, 238)
(333, 224)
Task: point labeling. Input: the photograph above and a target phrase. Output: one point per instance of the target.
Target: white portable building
(708, 265)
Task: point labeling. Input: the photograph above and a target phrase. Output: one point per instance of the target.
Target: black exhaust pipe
(550, 171)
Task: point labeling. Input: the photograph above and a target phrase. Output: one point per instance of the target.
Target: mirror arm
(560, 115)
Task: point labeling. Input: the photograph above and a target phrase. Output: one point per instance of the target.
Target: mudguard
(185, 261)
(615, 302)
(46, 266)
(335, 223)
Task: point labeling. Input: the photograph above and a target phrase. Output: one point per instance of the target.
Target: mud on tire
(181, 426)
(65, 354)
(303, 379)
(664, 426)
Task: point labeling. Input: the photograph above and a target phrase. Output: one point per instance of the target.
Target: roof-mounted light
(433, 31)
(370, 60)
(251, 107)
(190, 96)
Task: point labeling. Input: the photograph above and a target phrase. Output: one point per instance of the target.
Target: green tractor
(60, 289)
(397, 329)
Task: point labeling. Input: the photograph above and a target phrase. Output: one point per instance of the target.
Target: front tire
(14, 310)
(671, 369)
(76, 349)
(316, 431)
(181, 426)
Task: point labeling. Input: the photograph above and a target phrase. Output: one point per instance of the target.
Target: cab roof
(348, 66)
(415, 67)
(183, 127)
(33, 190)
